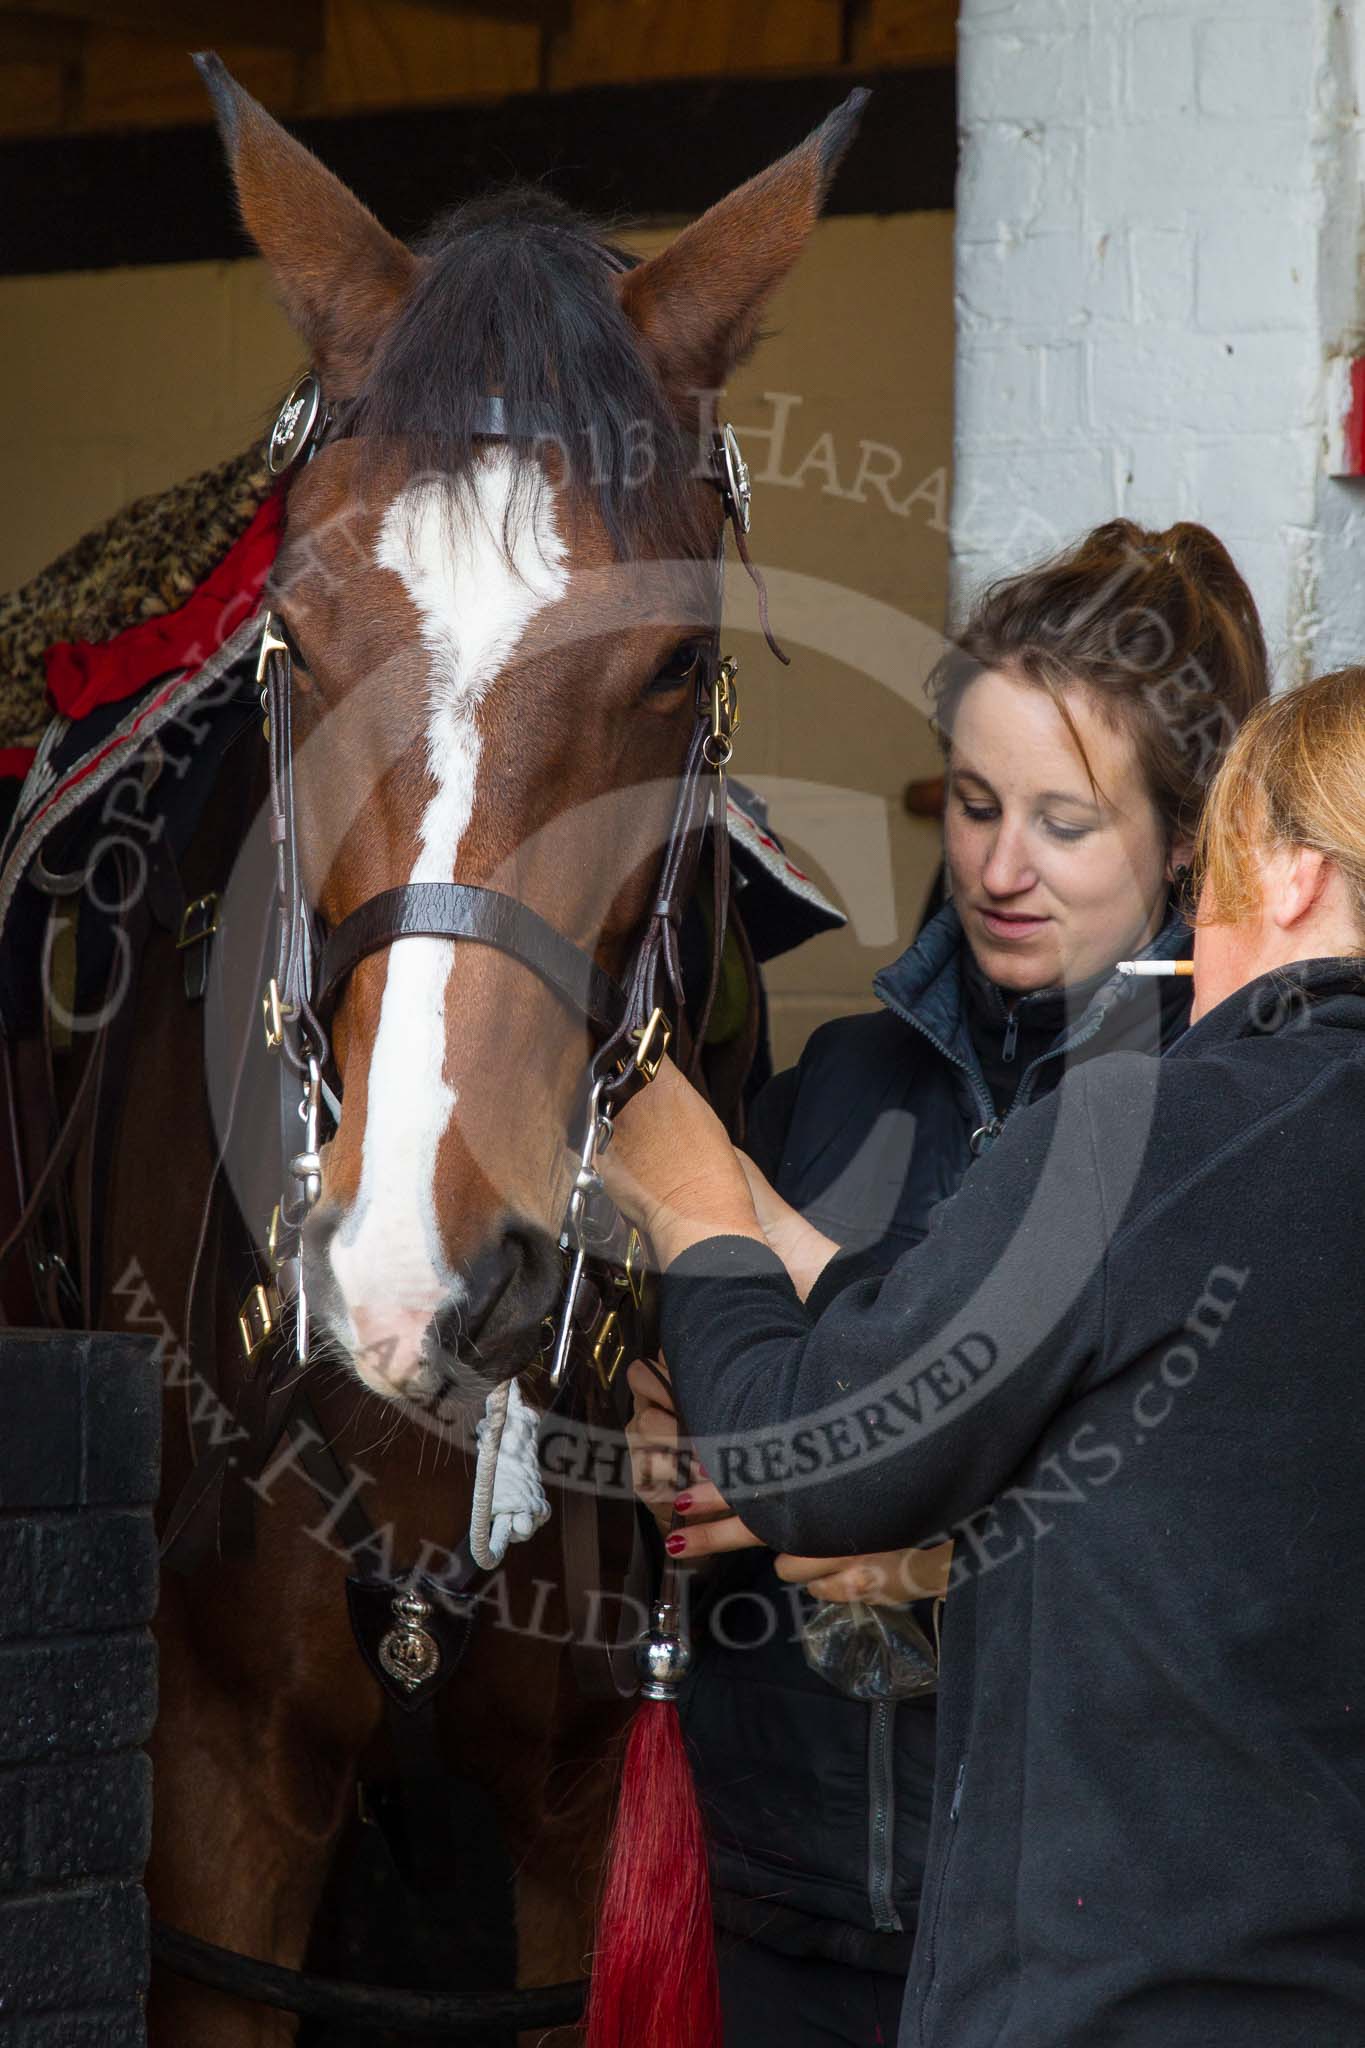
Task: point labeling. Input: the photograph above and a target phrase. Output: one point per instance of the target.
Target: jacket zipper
(881, 1816)
(1011, 1033)
(991, 1123)
(980, 1093)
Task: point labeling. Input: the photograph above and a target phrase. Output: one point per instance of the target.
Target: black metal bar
(667, 148)
(374, 2006)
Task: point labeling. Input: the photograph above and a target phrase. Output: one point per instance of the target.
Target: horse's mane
(515, 295)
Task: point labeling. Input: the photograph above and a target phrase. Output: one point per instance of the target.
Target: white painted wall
(1158, 246)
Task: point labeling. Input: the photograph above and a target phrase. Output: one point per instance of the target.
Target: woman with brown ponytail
(1082, 711)
(1123, 1373)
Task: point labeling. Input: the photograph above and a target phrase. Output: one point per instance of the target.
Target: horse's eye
(681, 667)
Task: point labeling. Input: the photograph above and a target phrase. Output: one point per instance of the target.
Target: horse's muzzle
(411, 1335)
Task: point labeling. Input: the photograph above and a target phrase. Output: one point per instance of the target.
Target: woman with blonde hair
(1122, 1373)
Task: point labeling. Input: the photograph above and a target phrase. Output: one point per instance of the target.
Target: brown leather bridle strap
(720, 907)
(459, 910)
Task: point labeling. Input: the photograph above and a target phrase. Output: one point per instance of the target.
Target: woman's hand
(803, 1250)
(652, 1434)
(658, 1469)
(671, 1168)
(882, 1578)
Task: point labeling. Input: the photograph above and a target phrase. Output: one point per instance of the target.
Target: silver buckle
(296, 425)
(737, 486)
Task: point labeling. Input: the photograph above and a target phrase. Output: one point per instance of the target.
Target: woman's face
(1053, 879)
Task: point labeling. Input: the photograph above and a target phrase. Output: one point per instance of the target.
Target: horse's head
(498, 641)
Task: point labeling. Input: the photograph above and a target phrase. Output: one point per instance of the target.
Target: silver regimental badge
(296, 424)
(736, 476)
(407, 1652)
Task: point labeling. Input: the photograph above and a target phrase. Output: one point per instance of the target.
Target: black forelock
(514, 295)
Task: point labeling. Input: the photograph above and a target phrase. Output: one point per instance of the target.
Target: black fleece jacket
(817, 1806)
(1124, 1370)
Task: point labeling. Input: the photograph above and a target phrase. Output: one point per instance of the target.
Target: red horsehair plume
(654, 1982)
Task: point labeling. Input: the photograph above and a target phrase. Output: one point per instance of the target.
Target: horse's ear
(340, 275)
(697, 304)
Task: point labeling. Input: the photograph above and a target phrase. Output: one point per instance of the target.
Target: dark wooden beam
(548, 14)
(275, 24)
(39, 39)
(84, 202)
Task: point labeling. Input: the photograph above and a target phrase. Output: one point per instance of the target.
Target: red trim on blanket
(82, 674)
(125, 736)
(15, 763)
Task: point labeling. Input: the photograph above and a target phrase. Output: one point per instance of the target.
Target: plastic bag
(869, 1653)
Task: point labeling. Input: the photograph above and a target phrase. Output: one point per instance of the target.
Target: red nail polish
(682, 1503)
(675, 1543)
(702, 1472)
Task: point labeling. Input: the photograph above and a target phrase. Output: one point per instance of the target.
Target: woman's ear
(1180, 856)
(1298, 880)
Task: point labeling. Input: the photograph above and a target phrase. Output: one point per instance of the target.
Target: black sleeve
(842, 1271)
(908, 1401)
(769, 1119)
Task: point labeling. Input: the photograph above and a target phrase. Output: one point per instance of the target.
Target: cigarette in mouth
(1151, 967)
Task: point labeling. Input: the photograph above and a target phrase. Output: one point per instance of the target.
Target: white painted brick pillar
(1158, 249)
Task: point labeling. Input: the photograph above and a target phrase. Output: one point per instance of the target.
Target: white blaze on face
(476, 581)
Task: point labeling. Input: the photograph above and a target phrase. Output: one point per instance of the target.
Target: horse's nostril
(510, 1286)
(491, 1276)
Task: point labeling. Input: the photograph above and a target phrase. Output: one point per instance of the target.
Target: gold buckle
(275, 1014)
(272, 1239)
(725, 701)
(271, 643)
(609, 1348)
(718, 745)
(651, 1045)
(256, 1319)
(199, 922)
(631, 1277)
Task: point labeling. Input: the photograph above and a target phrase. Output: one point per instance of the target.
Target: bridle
(629, 1020)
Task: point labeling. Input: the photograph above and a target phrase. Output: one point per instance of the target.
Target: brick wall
(78, 1470)
(1158, 245)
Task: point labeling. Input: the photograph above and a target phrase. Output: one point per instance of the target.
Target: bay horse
(497, 582)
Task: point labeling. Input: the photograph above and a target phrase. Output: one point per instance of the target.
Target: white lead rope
(509, 1498)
